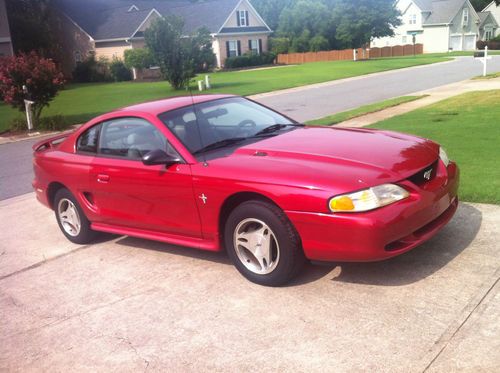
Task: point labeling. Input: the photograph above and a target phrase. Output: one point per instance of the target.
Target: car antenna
(205, 164)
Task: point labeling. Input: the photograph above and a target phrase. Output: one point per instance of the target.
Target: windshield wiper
(220, 144)
(275, 128)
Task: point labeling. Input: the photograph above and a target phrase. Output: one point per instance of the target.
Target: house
(440, 25)
(5, 40)
(494, 10)
(113, 26)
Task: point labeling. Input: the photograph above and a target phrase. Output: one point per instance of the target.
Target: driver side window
(130, 138)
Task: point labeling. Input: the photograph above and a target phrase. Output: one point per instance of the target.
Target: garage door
(470, 42)
(456, 43)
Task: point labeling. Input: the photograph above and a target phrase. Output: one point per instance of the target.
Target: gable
(255, 21)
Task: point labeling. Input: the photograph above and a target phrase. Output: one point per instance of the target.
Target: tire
(263, 244)
(71, 219)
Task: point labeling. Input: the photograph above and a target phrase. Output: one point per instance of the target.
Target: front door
(128, 193)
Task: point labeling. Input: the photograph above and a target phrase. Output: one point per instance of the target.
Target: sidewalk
(434, 95)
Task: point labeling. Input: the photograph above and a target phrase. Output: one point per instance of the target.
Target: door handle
(101, 178)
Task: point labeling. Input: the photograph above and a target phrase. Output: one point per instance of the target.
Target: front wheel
(263, 244)
(71, 219)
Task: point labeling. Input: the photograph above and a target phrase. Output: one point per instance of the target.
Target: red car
(219, 171)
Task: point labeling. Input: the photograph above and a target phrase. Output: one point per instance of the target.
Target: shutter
(227, 49)
(239, 48)
(260, 46)
(247, 19)
(250, 46)
(238, 18)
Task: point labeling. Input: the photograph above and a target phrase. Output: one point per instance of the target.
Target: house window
(78, 56)
(413, 19)
(465, 17)
(488, 35)
(232, 48)
(253, 46)
(242, 18)
(405, 39)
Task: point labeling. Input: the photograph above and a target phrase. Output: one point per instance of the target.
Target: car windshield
(219, 123)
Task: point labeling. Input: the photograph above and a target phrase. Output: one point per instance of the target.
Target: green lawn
(468, 127)
(81, 102)
(362, 110)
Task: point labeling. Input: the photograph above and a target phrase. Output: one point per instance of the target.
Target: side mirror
(157, 157)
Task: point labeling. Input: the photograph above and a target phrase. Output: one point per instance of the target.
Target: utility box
(479, 54)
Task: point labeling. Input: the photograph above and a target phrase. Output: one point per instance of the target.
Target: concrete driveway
(126, 304)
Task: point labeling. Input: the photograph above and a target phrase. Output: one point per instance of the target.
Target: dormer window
(465, 17)
(242, 18)
(413, 19)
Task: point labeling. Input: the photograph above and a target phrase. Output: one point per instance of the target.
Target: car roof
(172, 103)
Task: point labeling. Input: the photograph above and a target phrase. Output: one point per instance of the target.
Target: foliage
(270, 10)
(118, 71)
(92, 70)
(52, 123)
(40, 75)
(178, 56)
(301, 43)
(140, 58)
(250, 59)
(359, 21)
(492, 45)
(319, 43)
(279, 45)
(479, 5)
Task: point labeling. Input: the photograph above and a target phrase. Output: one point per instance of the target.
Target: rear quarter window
(88, 141)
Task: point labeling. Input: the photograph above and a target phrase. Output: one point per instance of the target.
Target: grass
(362, 110)
(467, 127)
(81, 102)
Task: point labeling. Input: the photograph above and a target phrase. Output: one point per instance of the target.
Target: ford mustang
(217, 172)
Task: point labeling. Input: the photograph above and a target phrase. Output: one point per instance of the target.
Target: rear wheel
(263, 244)
(71, 219)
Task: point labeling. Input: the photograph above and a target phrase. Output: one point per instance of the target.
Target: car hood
(343, 157)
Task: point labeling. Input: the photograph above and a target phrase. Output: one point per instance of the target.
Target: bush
(279, 45)
(319, 43)
(248, 60)
(39, 75)
(119, 72)
(92, 70)
(52, 123)
(140, 58)
(493, 45)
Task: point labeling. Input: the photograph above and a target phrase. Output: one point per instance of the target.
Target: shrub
(52, 123)
(92, 70)
(493, 45)
(40, 76)
(140, 58)
(248, 60)
(319, 43)
(119, 72)
(279, 45)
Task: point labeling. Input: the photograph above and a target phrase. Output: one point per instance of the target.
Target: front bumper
(384, 232)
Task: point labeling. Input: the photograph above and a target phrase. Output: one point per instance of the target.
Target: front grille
(425, 175)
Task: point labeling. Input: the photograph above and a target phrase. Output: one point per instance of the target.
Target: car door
(130, 194)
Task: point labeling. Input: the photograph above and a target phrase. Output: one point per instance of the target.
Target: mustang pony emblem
(427, 174)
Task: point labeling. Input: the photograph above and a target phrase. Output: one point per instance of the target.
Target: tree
(479, 5)
(271, 10)
(178, 56)
(139, 58)
(40, 75)
(357, 22)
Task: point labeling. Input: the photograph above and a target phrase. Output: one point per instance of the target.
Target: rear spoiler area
(50, 143)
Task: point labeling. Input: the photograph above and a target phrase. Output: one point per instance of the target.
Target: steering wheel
(246, 123)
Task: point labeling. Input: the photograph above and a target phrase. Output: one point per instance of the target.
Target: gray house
(440, 25)
(5, 40)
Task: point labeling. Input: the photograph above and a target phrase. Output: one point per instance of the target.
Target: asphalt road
(326, 99)
(302, 104)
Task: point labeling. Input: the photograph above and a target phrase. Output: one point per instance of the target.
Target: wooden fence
(348, 54)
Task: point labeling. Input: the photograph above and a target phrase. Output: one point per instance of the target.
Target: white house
(440, 25)
(494, 10)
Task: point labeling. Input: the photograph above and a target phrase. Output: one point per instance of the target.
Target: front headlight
(368, 199)
(444, 157)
